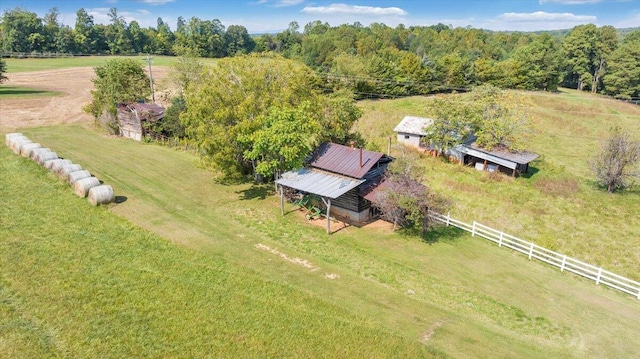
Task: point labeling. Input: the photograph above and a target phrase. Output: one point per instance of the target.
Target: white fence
(534, 251)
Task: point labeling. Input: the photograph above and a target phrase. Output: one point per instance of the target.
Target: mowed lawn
(185, 267)
(42, 64)
(557, 205)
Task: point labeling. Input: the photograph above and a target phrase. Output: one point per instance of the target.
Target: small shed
(132, 115)
(495, 160)
(411, 130)
(341, 176)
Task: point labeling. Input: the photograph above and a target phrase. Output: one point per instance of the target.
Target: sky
(269, 16)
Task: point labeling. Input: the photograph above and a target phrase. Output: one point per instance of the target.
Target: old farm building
(340, 176)
(132, 115)
(411, 131)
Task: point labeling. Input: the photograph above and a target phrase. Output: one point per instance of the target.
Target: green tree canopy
(245, 101)
(118, 81)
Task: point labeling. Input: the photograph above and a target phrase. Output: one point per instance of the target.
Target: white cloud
(155, 2)
(541, 16)
(344, 9)
(283, 3)
(569, 2)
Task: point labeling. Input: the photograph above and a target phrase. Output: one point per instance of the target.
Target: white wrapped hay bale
(101, 195)
(54, 165)
(63, 172)
(18, 142)
(43, 157)
(36, 151)
(82, 187)
(77, 175)
(9, 136)
(25, 150)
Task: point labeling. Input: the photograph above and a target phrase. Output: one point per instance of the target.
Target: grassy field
(187, 267)
(558, 205)
(27, 65)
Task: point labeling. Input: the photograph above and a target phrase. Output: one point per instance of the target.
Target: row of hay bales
(83, 183)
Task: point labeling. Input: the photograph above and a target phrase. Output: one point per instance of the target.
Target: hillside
(215, 270)
(557, 205)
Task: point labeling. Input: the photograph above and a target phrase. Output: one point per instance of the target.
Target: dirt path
(75, 86)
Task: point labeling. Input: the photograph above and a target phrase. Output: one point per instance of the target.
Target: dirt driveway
(75, 87)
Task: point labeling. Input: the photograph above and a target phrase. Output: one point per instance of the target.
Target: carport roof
(319, 182)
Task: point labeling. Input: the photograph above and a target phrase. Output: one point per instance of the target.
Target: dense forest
(373, 61)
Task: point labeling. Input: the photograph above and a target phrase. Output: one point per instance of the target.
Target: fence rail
(534, 251)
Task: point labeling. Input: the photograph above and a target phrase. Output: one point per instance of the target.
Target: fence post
(599, 274)
(473, 229)
(448, 218)
(500, 243)
(531, 250)
(564, 261)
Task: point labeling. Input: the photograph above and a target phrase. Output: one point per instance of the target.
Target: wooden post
(484, 166)
(564, 262)
(500, 243)
(599, 275)
(473, 229)
(389, 147)
(448, 218)
(329, 216)
(513, 174)
(281, 200)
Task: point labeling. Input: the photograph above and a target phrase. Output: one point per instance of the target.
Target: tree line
(373, 61)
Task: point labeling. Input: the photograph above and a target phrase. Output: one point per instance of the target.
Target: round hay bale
(36, 151)
(18, 143)
(25, 150)
(9, 136)
(63, 172)
(82, 187)
(11, 142)
(77, 175)
(43, 157)
(101, 195)
(54, 165)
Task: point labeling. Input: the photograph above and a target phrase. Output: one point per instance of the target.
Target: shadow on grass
(23, 91)
(531, 172)
(437, 234)
(257, 191)
(121, 199)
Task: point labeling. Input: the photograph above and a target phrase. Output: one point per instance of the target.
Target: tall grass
(231, 277)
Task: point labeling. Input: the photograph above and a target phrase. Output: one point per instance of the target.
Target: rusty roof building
(340, 175)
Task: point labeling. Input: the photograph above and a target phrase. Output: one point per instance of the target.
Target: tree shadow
(436, 234)
(17, 91)
(257, 191)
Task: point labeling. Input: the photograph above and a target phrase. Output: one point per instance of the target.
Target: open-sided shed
(337, 174)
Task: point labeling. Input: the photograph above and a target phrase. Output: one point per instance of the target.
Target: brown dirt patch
(75, 87)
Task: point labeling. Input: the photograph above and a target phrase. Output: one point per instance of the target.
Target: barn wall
(412, 140)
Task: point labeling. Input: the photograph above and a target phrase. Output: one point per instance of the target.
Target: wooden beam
(327, 202)
(281, 200)
(329, 217)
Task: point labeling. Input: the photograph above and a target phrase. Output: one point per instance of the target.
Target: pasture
(181, 257)
(557, 205)
(184, 266)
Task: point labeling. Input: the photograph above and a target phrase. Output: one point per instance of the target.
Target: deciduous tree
(117, 81)
(615, 165)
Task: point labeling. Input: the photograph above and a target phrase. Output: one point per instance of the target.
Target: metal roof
(344, 160)
(318, 182)
(473, 149)
(413, 125)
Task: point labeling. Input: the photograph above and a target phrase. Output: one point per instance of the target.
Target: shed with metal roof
(337, 174)
(411, 130)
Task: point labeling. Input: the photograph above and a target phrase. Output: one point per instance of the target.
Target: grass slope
(558, 206)
(353, 293)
